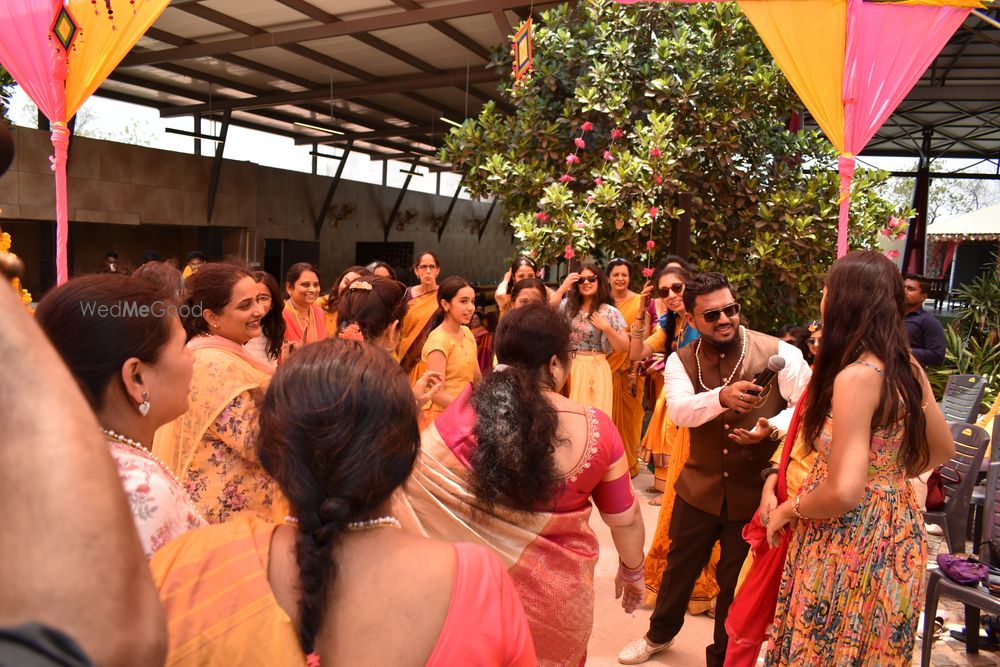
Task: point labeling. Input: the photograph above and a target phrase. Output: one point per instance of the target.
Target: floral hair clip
(814, 326)
(361, 284)
(352, 332)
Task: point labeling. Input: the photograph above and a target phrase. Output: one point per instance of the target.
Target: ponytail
(516, 433)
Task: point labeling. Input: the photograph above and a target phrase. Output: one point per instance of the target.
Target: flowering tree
(628, 106)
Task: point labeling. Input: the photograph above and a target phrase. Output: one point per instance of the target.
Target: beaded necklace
(358, 526)
(739, 362)
(135, 444)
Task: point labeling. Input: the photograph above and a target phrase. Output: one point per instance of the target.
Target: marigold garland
(5, 246)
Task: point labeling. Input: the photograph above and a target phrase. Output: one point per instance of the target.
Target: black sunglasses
(676, 288)
(588, 279)
(732, 310)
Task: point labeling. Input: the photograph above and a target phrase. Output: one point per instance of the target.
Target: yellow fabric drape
(706, 588)
(627, 412)
(808, 40)
(418, 313)
(103, 42)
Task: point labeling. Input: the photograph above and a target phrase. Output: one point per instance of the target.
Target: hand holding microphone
(774, 366)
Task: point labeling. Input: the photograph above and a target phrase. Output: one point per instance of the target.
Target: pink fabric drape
(888, 48)
(39, 67)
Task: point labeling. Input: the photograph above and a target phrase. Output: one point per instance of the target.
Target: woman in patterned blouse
(132, 366)
(597, 329)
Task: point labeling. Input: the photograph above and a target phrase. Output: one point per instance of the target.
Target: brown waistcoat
(720, 472)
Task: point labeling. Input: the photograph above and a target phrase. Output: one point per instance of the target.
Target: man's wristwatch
(775, 434)
(767, 472)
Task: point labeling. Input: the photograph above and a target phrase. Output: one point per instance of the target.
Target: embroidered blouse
(160, 508)
(584, 336)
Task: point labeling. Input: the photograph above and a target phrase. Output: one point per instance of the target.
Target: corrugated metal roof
(980, 225)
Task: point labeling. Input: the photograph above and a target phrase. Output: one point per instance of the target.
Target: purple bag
(965, 570)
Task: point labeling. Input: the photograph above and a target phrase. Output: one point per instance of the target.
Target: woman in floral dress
(853, 581)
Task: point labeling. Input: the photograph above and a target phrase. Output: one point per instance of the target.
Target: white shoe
(639, 651)
(933, 529)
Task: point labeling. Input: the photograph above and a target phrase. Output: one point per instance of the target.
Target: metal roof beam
(394, 85)
(955, 93)
(444, 28)
(324, 31)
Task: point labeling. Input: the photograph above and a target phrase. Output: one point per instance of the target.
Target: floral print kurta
(224, 476)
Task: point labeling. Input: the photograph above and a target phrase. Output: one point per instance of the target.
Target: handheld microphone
(774, 366)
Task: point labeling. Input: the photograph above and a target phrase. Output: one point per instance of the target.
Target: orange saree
(627, 390)
(415, 329)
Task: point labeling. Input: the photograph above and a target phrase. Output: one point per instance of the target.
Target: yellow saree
(219, 605)
(627, 390)
(211, 446)
(414, 333)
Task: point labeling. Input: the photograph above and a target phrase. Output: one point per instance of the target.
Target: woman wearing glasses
(628, 388)
(815, 330)
(597, 329)
(421, 304)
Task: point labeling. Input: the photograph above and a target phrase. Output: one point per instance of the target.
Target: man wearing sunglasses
(735, 426)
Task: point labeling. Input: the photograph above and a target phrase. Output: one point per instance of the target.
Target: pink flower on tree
(570, 253)
(566, 178)
(657, 179)
(653, 211)
(590, 199)
(894, 222)
(892, 254)
(650, 244)
(609, 156)
(572, 159)
(580, 143)
(587, 126)
(598, 181)
(655, 152)
(542, 216)
(616, 134)
(647, 272)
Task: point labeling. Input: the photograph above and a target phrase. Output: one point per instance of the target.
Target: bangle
(631, 574)
(767, 472)
(795, 508)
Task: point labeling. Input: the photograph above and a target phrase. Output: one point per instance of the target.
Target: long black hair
(603, 295)
(272, 325)
(338, 433)
(864, 312)
(516, 426)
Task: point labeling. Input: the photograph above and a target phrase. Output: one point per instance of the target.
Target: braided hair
(338, 433)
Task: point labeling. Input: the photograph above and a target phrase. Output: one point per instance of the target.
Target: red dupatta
(752, 611)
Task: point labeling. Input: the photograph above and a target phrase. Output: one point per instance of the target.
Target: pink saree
(549, 555)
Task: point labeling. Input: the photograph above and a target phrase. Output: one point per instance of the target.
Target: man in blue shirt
(925, 332)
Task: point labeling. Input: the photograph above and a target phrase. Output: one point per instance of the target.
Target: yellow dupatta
(627, 412)
(419, 311)
(222, 371)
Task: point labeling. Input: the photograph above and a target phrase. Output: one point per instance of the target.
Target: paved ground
(613, 628)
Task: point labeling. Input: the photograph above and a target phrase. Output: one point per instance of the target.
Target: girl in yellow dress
(450, 348)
